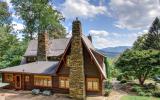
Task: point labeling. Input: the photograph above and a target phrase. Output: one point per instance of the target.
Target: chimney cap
(76, 18)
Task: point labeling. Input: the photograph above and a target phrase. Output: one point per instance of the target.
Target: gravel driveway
(26, 95)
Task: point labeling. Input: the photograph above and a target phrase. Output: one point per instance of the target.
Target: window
(92, 84)
(64, 82)
(45, 81)
(26, 78)
(9, 77)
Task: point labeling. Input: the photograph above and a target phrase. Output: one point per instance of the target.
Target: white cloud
(111, 39)
(100, 33)
(134, 14)
(81, 8)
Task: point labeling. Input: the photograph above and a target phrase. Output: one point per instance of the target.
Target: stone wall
(76, 64)
(42, 46)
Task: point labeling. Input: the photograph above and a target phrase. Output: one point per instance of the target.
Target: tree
(5, 16)
(11, 49)
(153, 37)
(140, 64)
(139, 43)
(39, 16)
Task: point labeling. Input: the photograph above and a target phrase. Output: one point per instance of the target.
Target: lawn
(128, 97)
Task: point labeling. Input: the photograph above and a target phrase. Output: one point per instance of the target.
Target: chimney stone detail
(42, 46)
(76, 63)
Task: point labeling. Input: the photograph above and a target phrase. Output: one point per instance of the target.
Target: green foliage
(123, 81)
(11, 49)
(128, 97)
(156, 93)
(136, 88)
(108, 88)
(139, 43)
(153, 37)
(114, 72)
(107, 68)
(139, 64)
(5, 16)
(39, 16)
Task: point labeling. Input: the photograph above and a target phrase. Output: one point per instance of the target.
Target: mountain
(114, 51)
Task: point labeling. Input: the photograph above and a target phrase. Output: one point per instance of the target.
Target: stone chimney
(76, 27)
(76, 63)
(90, 37)
(42, 46)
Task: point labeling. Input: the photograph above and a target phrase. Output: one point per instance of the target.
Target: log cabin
(69, 65)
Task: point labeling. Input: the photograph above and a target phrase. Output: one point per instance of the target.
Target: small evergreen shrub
(136, 89)
(108, 88)
(156, 93)
(119, 77)
(107, 92)
(123, 81)
(141, 93)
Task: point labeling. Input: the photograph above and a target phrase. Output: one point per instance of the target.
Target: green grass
(128, 97)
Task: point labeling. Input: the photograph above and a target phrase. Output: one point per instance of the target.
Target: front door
(18, 81)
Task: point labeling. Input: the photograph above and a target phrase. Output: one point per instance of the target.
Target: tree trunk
(141, 81)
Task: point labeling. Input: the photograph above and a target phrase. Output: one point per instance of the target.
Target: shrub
(156, 94)
(107, 92)
(148, 94)
(123, 81)
(108, 85)
(119, 77)
(136, 89)
(108, 88)
(149, 86)
(141, 93)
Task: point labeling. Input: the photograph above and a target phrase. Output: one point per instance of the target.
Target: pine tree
(153, 37)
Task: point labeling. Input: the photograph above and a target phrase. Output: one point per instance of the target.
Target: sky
(111, 23)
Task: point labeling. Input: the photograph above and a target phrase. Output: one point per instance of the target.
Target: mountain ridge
(113, 51)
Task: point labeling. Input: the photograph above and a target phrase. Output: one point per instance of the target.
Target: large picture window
(45, 81)
(64, 82)
(92, 84)
(9, 77)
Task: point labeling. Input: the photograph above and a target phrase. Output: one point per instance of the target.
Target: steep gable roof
(90, 47)
(56, 47)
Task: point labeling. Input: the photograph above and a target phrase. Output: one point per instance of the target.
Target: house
(69, 65)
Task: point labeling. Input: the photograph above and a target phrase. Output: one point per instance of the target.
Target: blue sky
(110, 22)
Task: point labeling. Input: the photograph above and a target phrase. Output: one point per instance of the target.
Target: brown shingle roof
(40, 67)
(56, 47)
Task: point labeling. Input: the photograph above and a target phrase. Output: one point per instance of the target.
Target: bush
(149, 86)
(108, 88)
(141, 93)
(119, 77)
(156, 94)
(108, 85)
(123, 81)
(136, 89)
(107, 92)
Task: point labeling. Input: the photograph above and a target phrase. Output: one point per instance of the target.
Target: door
(18, 81)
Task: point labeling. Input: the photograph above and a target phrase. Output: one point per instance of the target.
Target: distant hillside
(114, 51)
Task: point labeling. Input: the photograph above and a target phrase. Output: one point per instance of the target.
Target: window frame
(42, 80)
(65, 82)
(7, 77)
(27, 78)
(92, 81)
